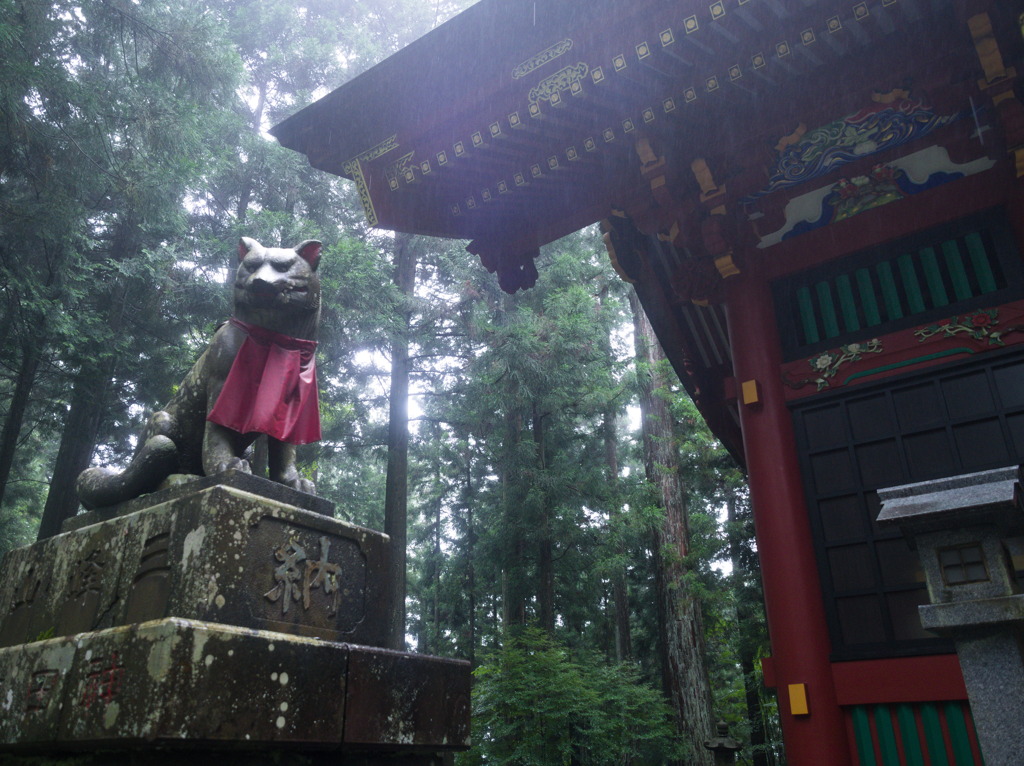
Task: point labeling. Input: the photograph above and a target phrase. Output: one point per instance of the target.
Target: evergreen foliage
(537, 705)
(133, 155)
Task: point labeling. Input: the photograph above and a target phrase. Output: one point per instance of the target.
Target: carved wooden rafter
(998, 83)
(511, 259)
(626, 246)
(699, 224)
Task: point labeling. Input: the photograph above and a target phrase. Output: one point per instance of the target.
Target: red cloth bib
(271, 388)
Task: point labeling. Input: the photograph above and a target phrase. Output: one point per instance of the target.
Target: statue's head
(278, 277)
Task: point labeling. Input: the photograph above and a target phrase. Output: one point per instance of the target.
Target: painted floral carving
(852, 196)
(981, 325)
(826, 364)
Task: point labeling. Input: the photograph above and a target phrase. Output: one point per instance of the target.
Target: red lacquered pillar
(814, 733)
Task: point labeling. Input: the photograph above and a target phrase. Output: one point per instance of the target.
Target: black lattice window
(967, 417)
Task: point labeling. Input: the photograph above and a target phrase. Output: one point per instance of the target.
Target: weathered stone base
(191, 485)
(218, 553)
(200, 757)
(216, 623)
(175, 683)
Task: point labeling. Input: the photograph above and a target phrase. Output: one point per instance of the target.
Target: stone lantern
(959, 526)
(723, 746)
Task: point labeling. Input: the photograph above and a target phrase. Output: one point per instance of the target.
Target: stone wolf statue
(258, 376)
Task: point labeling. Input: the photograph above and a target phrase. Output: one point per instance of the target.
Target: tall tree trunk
(470, 548)
(436, 576)
(620, 594)
(248, 182)
(681, 634)
(31, 354)
(88, 403)
(514, 588)
(396, 491)
(545, 545)
(90, 393)
(513, 595)
(428, 637)
(752, 696)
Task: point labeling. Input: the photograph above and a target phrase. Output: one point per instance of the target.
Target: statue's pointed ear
(245, 244)
(309, 251)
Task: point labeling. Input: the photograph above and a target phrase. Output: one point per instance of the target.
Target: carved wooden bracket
(626, 246)
(514, 265)
(686, 224)
(653, 168)
(692, 279)
(715, 228)
(998, 83)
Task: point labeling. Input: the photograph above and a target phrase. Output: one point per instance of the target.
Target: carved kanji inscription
(298, 575)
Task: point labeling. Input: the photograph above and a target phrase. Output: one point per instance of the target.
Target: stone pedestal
(216, 618)
(958, 526)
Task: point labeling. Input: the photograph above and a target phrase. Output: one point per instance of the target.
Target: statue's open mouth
(265, 289)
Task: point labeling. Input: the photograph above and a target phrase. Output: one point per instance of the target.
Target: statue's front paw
(305, 485)
(235, 463)
(295, 480)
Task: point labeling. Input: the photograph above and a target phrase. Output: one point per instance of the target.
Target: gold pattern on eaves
(380, 149)
(536, 62)
(355, 169)
(559, 81)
